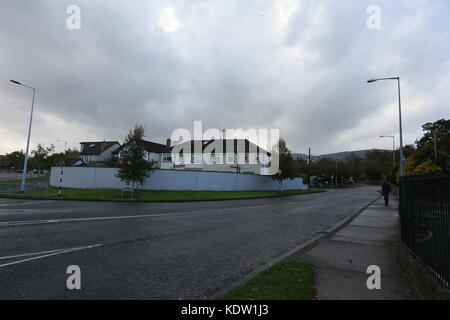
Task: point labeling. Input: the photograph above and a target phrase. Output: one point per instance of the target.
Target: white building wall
(155, 157)
(224, 163)
(167, 165)
(107, 154)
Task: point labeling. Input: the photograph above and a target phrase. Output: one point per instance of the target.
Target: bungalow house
(223, 155)
(97, 151)
(158, 153)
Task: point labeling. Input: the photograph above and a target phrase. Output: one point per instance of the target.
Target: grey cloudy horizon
(297, 65)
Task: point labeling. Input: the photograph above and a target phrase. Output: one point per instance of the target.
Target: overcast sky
(300, 66)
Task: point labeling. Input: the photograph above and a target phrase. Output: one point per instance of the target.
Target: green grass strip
(283, 281)
(147, 195)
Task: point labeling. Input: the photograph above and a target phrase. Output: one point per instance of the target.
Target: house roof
(235, 145)
(96, 147)
(75, 163)
(156, 147)
(150, 146)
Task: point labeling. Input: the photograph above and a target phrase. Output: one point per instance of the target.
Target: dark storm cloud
(299, 66)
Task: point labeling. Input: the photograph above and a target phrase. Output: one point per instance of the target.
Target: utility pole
(309, 169)
(337, 173)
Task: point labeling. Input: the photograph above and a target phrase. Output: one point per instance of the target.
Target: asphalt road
(4, 176)
(155, 250)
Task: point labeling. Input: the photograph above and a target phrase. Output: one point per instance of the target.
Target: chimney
(168, 142)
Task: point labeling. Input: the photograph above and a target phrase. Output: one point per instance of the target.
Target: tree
(325, 168)
(41, 156)
(13, 160)
(287, 168)
(440, 129)
(301, 168)
(68, 157)
(133, 167)
(379, 164)
(436, 134)
(354, 168)
(423, 168)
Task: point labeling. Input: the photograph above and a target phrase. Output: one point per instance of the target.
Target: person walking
(385, 190)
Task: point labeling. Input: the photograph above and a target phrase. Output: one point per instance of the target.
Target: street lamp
(400, 118)
(25, 162)
(393, 148)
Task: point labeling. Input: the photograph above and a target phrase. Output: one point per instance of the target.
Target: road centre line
(24, 204)
(35, 222)
(61, 251)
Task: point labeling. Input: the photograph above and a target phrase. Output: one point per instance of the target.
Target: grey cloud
(227, 65)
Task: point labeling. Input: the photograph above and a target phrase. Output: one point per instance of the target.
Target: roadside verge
(162, 196)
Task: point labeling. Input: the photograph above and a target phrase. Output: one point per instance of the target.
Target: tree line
(430, 153)
(41, 158)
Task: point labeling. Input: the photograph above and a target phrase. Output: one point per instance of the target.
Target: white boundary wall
(104, 178)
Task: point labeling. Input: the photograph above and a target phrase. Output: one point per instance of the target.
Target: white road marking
(68, 220)
(30, 254)
(34, 222)
(57, 252)
(4, 211)
(24, 203)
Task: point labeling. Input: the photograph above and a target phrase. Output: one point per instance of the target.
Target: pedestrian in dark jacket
(385, 190)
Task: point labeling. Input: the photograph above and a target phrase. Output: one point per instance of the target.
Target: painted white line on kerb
(62, 251)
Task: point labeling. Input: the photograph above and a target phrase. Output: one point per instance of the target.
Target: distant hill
(336, 156)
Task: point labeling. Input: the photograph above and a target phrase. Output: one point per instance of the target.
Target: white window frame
(231, 158)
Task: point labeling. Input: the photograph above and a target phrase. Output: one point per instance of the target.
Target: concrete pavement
(341, 261)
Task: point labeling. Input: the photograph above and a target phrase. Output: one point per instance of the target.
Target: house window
(246, 158)
(167, 157)
(196, 158)
(230, 158)
(216, 158)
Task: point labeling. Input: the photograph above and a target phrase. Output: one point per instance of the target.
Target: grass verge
(284, 281)
(146, 195)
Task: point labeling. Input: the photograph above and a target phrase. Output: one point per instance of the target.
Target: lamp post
(400, 118)
(337, 177)
(25, 162)
(393, 148)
